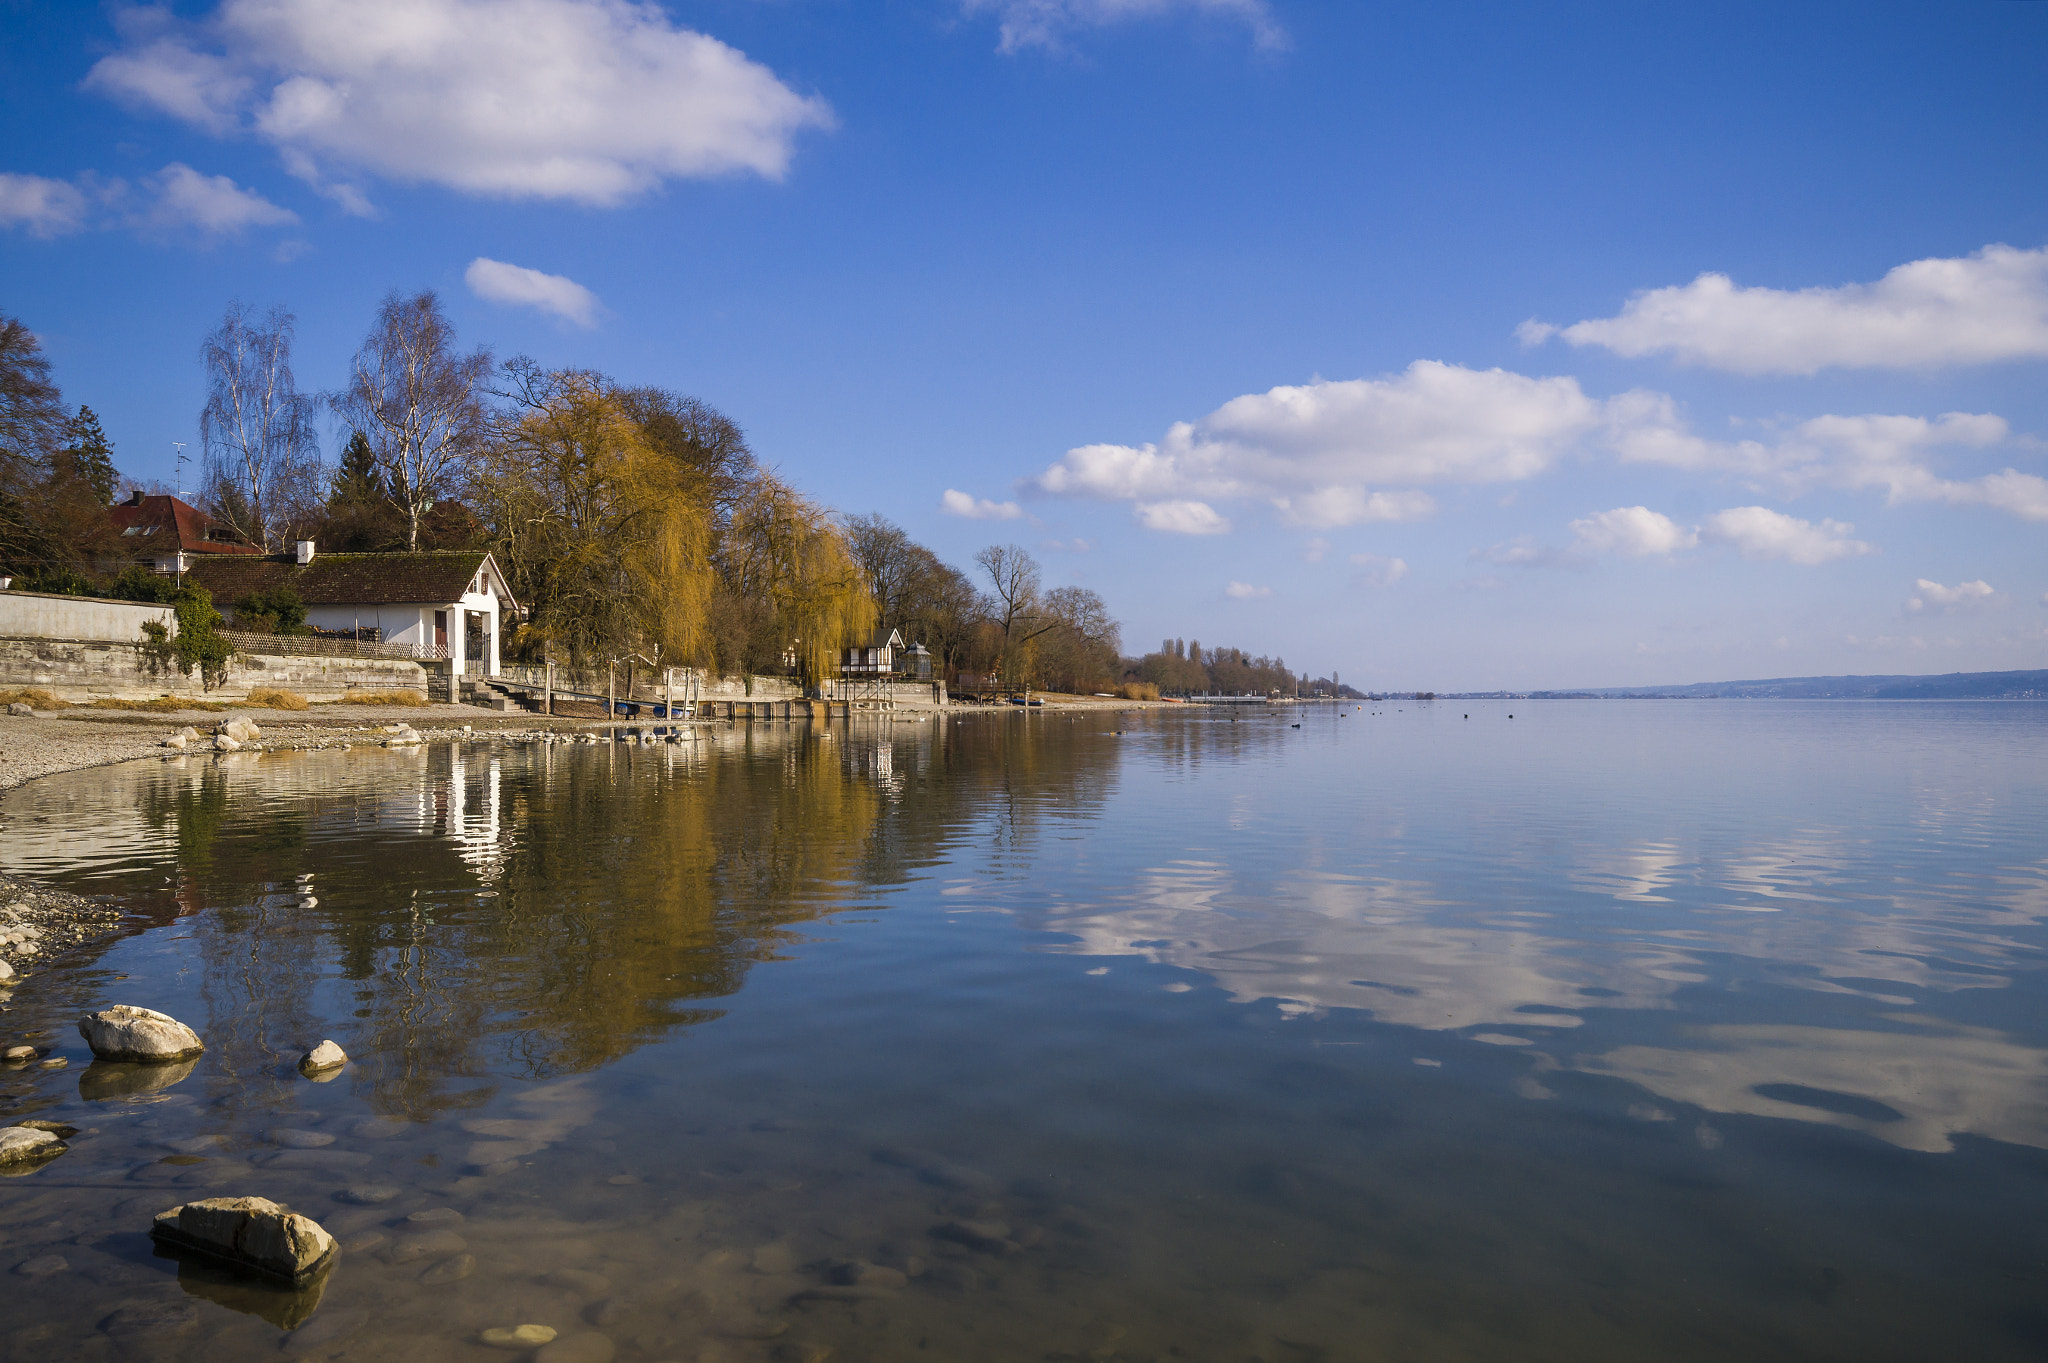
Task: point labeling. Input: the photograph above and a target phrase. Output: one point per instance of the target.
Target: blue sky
(1372, 335)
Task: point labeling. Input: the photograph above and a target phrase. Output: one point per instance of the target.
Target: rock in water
(140, 1035)
(519, 1336)
(251, 1231)
(26, 1145)
(321, 1059)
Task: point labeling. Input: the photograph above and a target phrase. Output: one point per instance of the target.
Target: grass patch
(35, 697)
(162, 705)
(1139, 691)
(415, 699)
(276, 698)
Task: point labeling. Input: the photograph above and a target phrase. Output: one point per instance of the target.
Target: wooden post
(548, 664)
(611, 689)
(668, 679)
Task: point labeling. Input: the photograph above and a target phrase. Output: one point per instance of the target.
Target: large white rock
(321, 1059)
(142, 1035)
(249, 1230)
(21, 1144)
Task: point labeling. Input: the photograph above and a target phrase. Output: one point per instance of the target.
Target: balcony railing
(306, 645)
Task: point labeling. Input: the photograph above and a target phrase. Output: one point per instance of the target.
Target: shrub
(277, 612)
(1137, 690)
(35, 697)
(276, 697)
(405, 697)
(199, 643)
(137, 583)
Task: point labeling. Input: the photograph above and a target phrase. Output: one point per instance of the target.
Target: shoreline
(40, 923)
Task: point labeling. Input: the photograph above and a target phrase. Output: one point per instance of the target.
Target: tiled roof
(150, 525)
(345, 579)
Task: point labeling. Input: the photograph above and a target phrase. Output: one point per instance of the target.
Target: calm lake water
(1611, 1031)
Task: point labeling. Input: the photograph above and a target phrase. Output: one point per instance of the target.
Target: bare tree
(418, 402)
(31, 409)
(1013, 576)
(257, 428)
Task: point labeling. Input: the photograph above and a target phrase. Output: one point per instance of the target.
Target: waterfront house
(168, 534)
(886, 655)
(450, 605)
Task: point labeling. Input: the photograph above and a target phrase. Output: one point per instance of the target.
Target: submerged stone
(368, 1194)
(584, 1348)
(138, 1036)
(518, 1336)
(250, 1231)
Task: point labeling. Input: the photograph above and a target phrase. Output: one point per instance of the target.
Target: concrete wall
(35, 615)
(83, 670)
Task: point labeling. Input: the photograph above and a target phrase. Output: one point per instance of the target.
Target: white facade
(437, 625)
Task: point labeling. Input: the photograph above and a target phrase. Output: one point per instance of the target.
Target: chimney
(135, 497)
(305, 552)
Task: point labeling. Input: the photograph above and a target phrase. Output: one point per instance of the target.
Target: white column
(458, 641)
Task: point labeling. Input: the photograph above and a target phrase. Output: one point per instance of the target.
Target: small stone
(774, 1259)
(55, 1062)
(151, 1319)
(857, 1273)
(379, 1129)
(226, 743)
(139, 1035)
(63, 1131)
(518, 1336)
(578, 1280)
(16, 1055)
(249, 1230)
(435, 1216)
(325, 1056)
(368, 1194)
(175, 741)
(292, 1138)
(17, 708)
(42, 1266)
(189, 734)
(26, 1144)
(366, 1241)
(990, 1237)
(433, 1244)
(450, 1270)
(583, 1348)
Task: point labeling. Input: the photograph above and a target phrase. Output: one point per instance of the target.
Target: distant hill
(2031, 685)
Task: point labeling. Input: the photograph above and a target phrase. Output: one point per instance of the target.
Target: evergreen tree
(356, 482)
(89, 454)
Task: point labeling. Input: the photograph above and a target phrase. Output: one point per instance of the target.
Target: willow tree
(606, 537)
(786, 559)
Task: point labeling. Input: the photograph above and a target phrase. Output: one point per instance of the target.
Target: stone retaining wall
(84, 670)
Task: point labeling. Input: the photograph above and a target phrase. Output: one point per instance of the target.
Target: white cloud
(1855, 452)
(594, 101)
(515, 284)
(42, 207)
(1077, 545)
(1632, 531)
(1181, 518)
(1044, 23)
(213, 204)
(172, 199)
(1525, 551)
(1314, 550)
(1244, 591)
(1378, 571)
(1760, 533)
(1315, 451)
(1975, 309)
(1933, 596)
(955, 503)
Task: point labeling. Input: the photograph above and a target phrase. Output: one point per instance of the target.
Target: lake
(1608, 1031)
